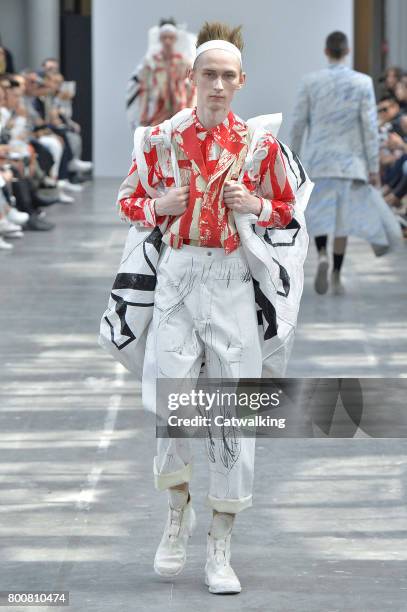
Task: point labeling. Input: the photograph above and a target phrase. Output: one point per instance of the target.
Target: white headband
(168, 28)
(219, 44)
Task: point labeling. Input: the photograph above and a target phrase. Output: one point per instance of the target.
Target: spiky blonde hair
(215, 30)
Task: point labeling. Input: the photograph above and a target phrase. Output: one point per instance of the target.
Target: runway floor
(78, 509)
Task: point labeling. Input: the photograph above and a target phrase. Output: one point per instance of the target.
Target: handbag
(125, 322)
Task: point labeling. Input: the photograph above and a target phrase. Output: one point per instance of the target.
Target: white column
(396, 17)
(42, 27)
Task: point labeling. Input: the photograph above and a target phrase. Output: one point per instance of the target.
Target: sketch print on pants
(205, 307)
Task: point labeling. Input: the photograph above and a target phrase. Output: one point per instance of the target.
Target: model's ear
(242, 80)
(191, 75)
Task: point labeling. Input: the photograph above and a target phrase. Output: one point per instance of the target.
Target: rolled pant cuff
(171, 479)
(231, 506)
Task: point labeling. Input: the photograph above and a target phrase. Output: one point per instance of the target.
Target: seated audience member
(395, 175)
(61, 96)
(391, 77)
(50, 65)
(389, 112)
(8, 66)
(400, 93)
(38, 106)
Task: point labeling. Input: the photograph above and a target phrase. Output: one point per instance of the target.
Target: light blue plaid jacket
(335, 119)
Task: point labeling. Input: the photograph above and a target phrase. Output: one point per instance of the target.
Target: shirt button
(209, 253)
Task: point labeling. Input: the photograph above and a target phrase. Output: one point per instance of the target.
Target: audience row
(40, 148)
(392, 112)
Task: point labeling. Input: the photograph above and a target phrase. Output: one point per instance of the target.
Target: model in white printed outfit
(216, 289)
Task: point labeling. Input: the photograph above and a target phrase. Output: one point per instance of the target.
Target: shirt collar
(216, 132)
(335, 65)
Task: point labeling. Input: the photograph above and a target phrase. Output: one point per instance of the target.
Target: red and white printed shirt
(206, 159)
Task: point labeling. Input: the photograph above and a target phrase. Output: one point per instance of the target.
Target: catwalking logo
(206, 401)
(224, 404)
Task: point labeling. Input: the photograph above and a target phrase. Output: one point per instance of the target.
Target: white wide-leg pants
(205, 306)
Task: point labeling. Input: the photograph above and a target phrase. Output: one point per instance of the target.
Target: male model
(160, 87)
(205, 297)
(336, 107)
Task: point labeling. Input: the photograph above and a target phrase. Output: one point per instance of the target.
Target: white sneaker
(69, 186)
(336, 283)
(321, 278)
(6, 227)
(78, 165)
(17, 217)
(17, 234)
(47, 181)
(219, 575)
(5, 246)
(171, 553)
(64, 198)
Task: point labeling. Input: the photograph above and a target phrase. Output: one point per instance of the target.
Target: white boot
(219, 575)
(171, 553)
(321, 278)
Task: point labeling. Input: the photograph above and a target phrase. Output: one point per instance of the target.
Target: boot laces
(220, 551)
(175, 523)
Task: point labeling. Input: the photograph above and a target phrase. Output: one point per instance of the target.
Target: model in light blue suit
(336, 106)
(335, 121)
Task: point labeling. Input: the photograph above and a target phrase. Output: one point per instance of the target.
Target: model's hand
(374, 179)
(174, 202)
(237, 197)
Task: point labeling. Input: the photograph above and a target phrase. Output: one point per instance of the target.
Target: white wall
(30, 30)
(284, 39)
(13, 30)
(42, 30)
(396, 25)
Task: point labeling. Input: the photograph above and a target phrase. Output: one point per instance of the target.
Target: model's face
(168, 41)
(217, 75)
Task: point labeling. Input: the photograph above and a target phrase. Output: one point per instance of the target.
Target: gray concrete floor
(78, 510)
